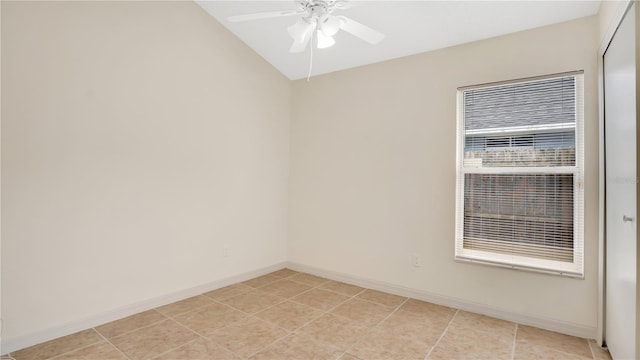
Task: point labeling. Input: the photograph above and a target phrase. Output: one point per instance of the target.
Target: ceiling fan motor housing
(316, 8)
(317, 14)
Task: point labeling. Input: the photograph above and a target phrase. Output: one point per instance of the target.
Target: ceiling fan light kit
(329, 24)
(300, 29)
(324, 41)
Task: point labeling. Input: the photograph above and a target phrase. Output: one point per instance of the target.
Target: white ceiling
(410, 27)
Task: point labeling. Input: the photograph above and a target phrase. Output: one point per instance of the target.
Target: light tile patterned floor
(292, 315)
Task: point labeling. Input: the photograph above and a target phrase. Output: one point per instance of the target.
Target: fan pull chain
(310, 57)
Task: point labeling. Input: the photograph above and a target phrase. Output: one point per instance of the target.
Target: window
(519, 176)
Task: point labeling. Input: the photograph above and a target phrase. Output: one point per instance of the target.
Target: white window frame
(574, 269)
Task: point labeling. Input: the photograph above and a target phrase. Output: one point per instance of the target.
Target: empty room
(319, 179)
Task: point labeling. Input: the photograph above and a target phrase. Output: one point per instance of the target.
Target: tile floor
(292, 315)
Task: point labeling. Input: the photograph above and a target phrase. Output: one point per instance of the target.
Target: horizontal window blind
(542, 102)
(519, 196)
(520, 209)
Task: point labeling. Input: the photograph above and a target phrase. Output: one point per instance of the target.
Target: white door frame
(616, 19)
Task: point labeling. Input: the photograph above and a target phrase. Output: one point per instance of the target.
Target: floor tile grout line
(291, 279)
(339, 293)
(269, 307)
(442, 335)
(140, 328)
(166, 317)
(333, 292)
(300, 282)
(289, 333)
(280, 276)
(324, 313)
(327, 311)
(200, 336)
(9, 356)
(227, 305)
(268, 283)
(344, 354)
(312, 285)
(315, 276)
(222, 346)
(272, 324)
(227, 297)
(513, 347)
(266, 347)
(546, 346)
(76, 349)
(112, 344)
(321, 314)
(393, 312)
(377, 303)
(569, 354)
(376, 325)
(136, 329)
(287, 300)
(593, 353)
(231, 309)
(288, 296)
(184, 312)
(178, 347)
(247, 313)
(119, 335)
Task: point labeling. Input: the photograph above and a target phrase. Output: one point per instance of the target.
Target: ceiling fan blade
(344, 4)
(263, 15)
(361, 31)
(299, 46)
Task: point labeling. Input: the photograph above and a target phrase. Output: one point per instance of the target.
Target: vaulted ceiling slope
(410, 27)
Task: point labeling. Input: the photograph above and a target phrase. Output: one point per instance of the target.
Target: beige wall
(139, 139)
(605, 16)
(608, 18)
(373, 172)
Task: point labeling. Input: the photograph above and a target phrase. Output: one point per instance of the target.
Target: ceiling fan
(317, 18)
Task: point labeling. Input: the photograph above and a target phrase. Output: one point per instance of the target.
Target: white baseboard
(583, 331)
(11, 345)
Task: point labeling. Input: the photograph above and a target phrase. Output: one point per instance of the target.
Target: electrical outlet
(225, 252)
(416, 260)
